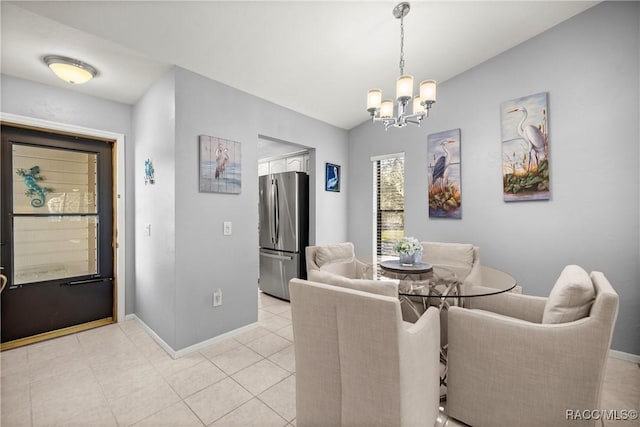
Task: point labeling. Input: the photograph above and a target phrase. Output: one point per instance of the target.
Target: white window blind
(389, 204)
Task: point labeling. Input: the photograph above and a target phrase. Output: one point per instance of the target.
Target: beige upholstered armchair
(358, 363)
(337, 265)
(527, 361)
(461, 258)
(339, 259)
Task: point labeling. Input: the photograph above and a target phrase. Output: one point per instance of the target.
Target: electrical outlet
(227, 228)
(217, 297)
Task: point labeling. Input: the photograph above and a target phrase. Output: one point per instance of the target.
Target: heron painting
(220, 167)
(332, 177)
(443, 152)
(525, 148)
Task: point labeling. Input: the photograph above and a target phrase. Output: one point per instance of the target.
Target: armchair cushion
(571, 297)
(458, 257)
(338, 253)
(379, 287)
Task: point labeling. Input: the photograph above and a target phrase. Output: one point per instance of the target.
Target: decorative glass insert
(51, 180)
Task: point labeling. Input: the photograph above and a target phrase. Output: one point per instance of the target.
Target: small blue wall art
(149, 172)
(332, 177)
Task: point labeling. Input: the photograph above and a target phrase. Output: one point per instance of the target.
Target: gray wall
(187, 257)
(27, 98)
(589, 65)
(171, 273)
(154, 125)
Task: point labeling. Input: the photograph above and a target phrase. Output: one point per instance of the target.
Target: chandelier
(382, 110)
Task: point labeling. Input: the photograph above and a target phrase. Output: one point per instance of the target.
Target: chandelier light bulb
(428, 91)
(404, 88)
(418, 108)
(374, 99)
(386, 110)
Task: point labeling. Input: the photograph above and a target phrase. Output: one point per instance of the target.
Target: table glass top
(426, 280)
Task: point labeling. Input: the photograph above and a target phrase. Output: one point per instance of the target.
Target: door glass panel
(54, 247)
(64, 183)
(51, 180)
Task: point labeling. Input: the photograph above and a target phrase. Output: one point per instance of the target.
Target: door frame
(119, 189)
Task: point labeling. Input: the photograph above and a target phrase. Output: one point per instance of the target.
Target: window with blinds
(389, 212)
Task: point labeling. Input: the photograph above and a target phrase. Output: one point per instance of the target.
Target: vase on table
(417, 257)
(406, 259)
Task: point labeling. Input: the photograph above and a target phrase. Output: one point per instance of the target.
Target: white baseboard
(179, 353)
(635, 358)
(213, 340)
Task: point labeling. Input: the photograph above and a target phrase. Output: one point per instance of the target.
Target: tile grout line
(273, 409)
(230, 376)
(149, 362)
(98, 381)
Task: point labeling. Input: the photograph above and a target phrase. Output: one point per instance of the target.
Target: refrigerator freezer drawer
(276, 269)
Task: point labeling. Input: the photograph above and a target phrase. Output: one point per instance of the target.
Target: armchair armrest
(524, 307)
(498, 364)
(380, 287)
(363, 270)
(474, 278)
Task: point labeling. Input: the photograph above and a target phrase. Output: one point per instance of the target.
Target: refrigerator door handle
(280, 257)
(272, 227)
(277, 213)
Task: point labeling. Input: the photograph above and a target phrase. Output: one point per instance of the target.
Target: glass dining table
(429, 282)
(434, 285)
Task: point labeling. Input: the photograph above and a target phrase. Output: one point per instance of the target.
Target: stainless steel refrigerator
(284, 230)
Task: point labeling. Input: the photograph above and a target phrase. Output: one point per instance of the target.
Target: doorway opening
(283, 213)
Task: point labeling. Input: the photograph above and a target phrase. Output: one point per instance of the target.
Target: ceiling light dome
(70, 70)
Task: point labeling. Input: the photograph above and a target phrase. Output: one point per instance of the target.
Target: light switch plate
(217, 297)
(147, 229)
(227, 229)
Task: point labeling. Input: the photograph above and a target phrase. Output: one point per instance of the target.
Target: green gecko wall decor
(31, 179)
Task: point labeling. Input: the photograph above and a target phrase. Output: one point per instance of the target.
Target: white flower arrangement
(408, 245)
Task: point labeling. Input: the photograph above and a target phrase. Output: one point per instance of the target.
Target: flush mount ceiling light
(70, 70)
(382, 111)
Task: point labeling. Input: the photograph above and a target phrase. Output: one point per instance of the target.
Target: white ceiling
(317, 58)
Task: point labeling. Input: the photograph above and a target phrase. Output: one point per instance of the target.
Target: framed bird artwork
(443, 151)
(220, 165)
(525, 148)
(332, 177)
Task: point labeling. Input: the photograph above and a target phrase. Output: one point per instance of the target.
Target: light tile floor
(118, 376)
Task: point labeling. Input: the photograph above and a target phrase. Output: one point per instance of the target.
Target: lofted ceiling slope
(317, 58)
